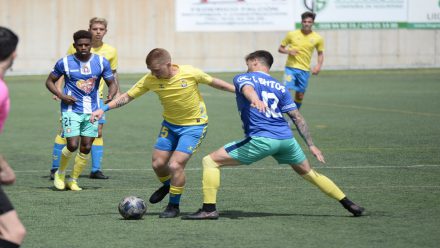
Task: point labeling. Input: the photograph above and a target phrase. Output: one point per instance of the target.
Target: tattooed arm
(303, 130)
(120, 101)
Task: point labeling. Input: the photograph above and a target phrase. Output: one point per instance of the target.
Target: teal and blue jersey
(270, 124)
(81, 80)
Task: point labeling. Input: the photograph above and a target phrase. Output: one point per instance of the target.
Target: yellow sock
(164, 179)
(176, 190)
(211, 180)
(324, 184)
(65, 157)
(81, 160)
(98, 142)
(60, 140)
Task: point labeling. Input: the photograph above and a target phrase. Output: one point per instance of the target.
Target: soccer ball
(132, 208)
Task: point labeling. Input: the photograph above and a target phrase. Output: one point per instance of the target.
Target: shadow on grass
(237, 214)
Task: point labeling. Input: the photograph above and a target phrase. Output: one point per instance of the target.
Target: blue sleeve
(107, 70)
(242, 80)
(286, 102)
(58, 69)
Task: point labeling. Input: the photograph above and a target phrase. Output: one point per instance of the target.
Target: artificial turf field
(379, 131)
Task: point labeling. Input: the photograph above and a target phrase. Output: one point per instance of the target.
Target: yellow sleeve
(320, 45)
(114, 60)
(286, 41)
(202, 77)
(71, 50)
(139, 88)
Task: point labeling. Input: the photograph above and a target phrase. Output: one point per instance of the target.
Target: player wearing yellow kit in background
(98, 28)
(299, 46)
(185, 120)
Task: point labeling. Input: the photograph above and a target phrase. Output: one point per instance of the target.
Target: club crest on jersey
(85, 69)
(161, 86)
(87, 85)
(183, 84)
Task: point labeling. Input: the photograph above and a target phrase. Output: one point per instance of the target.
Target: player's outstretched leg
(160, 193)
(211, 183)
(329, 188)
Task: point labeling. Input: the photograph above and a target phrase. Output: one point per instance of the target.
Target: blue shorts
(252, 149)
(296, 79)
(102, 120)
(180, 138)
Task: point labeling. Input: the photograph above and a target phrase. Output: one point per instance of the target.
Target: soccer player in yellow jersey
(299, 46)
(185, 120)
(98, 28)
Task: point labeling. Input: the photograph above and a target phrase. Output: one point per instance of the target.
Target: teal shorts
(252, 149)
(76, 124)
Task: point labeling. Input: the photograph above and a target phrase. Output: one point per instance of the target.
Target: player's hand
(54, 97)
(69, 100)
(316, 70)
(317, 153)
(96, 115)
(260, 105)
(7, 175)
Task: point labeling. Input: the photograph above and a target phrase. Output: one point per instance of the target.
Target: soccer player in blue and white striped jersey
(82, 73)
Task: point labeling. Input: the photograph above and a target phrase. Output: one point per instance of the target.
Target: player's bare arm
(7, 175)
(50, 84)
(119, 101)
(284, 50)
(317, 68)
(113, 88)
(250, 94)
(303, 130)
(222, 85)
(59, 85)
(115, 75)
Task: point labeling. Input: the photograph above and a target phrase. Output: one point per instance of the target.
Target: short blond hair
(158, 55)
(100, 20)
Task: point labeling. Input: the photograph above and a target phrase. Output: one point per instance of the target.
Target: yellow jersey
(107, 52)
(304, 44)
(180, 96)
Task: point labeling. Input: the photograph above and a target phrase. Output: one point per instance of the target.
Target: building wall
(135, 27)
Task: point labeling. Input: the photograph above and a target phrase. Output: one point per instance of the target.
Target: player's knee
(72, 147)
(176, 166)
(207, 161)
(157, 163)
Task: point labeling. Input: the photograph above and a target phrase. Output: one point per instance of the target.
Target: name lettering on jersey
(87, 85)
(271, 83)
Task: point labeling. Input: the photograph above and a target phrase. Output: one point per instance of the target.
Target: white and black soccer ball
(132, 208)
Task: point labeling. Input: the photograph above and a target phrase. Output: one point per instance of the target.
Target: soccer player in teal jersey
(299, 46)
(185, 120)
(82, 73)
(12, 231)
(261, 102)
(98, 28)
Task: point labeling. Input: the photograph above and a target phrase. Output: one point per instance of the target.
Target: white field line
(282, 167)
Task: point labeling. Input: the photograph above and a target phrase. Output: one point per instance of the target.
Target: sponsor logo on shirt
(87, 85)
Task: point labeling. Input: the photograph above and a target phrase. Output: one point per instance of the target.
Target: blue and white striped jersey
(81, 80)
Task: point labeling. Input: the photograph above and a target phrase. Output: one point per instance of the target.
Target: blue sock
(97, 153)
(56, 152)
(175, 194)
